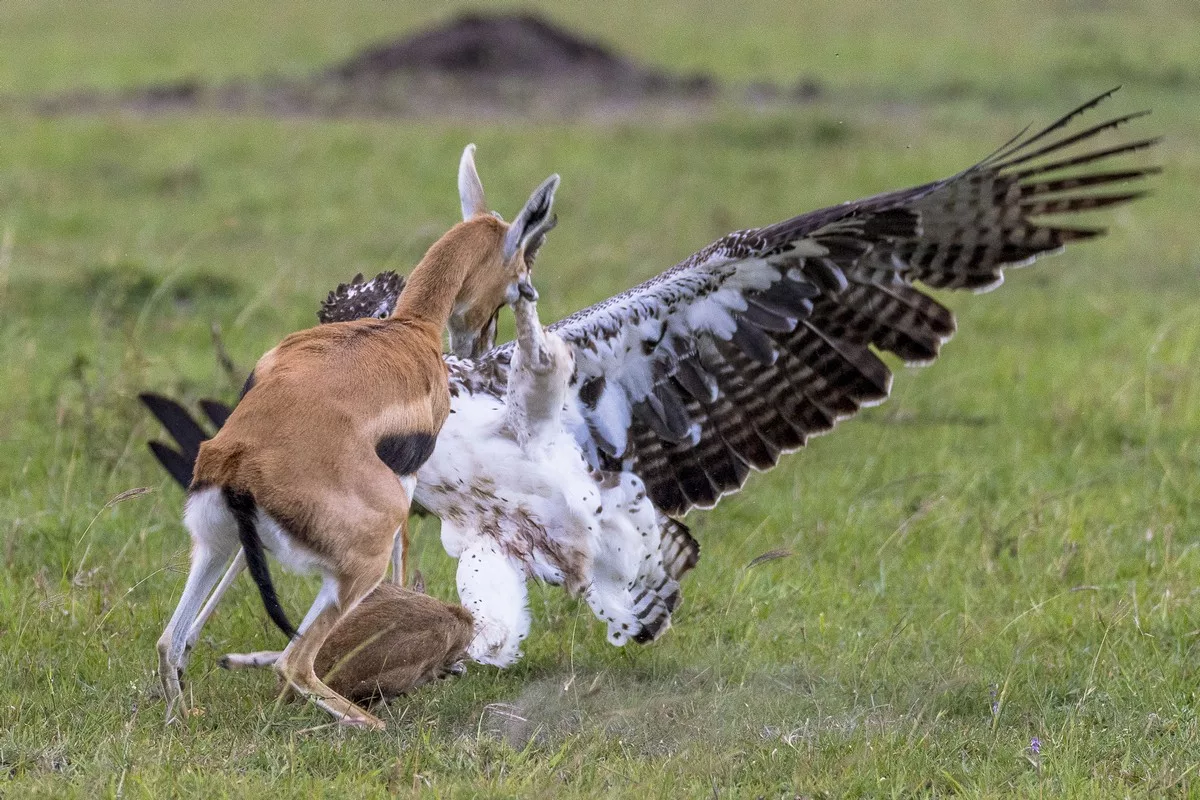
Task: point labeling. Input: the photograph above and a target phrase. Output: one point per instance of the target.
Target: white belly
(510, 513)
(210, 522)
(541, 507)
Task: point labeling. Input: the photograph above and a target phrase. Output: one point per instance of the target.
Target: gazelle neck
(433, 286)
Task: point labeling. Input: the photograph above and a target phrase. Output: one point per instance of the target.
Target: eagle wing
(767, 336)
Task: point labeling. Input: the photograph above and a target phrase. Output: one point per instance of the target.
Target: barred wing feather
(768, 336)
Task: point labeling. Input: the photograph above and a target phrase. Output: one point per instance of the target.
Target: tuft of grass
(1004, 552)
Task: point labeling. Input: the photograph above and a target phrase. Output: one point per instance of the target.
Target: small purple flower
(1035, 746)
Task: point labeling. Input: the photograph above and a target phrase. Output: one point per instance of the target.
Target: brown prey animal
(393, 642)
(317, 463)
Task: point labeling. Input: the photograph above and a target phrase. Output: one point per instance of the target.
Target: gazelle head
(477, 307)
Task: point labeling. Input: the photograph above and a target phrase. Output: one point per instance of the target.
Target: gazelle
(394, 641)
(317, 463)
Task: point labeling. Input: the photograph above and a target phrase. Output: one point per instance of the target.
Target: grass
(1006, 550)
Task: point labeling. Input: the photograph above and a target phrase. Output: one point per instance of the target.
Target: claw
(526, 290)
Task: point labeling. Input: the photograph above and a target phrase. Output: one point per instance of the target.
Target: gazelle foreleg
(398, 548)
(340, 594)
(268, 658)
(537, 381)
(531, 337)
(400, 540)
(256, 660)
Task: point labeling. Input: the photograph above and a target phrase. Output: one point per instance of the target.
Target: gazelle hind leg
(295, 665)
(235, 569)
(207, 564)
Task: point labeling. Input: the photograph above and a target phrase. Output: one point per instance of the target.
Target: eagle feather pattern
(794, 310)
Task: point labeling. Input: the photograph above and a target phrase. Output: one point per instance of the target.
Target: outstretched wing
(767, 336)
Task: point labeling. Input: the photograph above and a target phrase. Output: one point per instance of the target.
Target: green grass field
(1006, 550)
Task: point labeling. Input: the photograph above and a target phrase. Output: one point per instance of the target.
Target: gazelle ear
(470, 188)
(534, 220)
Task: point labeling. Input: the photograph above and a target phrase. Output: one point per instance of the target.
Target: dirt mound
(506, 46)
(477, 64)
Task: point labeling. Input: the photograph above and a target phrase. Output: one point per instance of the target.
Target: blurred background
(1004, 550)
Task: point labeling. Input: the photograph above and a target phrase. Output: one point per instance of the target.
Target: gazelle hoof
(368, 722)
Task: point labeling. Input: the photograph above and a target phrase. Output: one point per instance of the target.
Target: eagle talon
(526, 290)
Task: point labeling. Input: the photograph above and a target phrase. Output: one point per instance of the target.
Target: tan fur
(300, 440)
(395, 640)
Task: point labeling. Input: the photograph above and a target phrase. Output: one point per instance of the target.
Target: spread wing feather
(768, 336)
